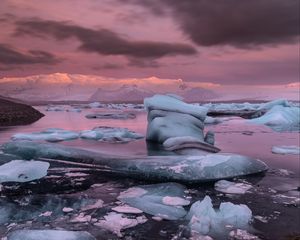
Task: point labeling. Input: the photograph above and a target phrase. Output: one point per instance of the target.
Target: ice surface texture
(106, 134)
(205, 219)
(49, 235)
(163, 200)
(286, 150)
(169, 117)
(22, 171)
(189, 169)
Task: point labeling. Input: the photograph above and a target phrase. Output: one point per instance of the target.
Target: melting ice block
(163, 200)
(286, 150)
(192, 169)
(49, 235)
(22, 171)
(225, 186)
(50, 135)
(169, 117)
(205, 219)
(280, 118)
(110, 134)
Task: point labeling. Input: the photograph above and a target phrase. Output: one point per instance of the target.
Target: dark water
(269, 198)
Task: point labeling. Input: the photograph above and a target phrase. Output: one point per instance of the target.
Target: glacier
(190, 169)
(23, 171)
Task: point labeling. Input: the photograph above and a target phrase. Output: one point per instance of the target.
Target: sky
(232, 42)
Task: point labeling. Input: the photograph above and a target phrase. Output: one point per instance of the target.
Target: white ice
(23, 171)
(225, 186)
(49, 235)
(286, 150)
(115, 222)
(163, 200)
(204, 219)
(50, 135)
(126, 209)
(110, 134)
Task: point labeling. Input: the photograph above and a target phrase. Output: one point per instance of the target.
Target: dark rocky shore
(15, 113)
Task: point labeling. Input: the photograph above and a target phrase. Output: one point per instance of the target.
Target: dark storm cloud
(101, 41)
(10, 56)
(239, 23)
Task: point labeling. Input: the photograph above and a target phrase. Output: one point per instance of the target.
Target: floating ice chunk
(81, 218)
(95, 105)
(191, 169)
(211, 120)
(111, 115)
(49, 235)
(67, 209)
(115, 222)
(205, 219)
(163, 200)
(171, 104)
(110, 134)
(286, 150)
(23, 171)
(97, 204)
(280, 118)
(55, 108)
(231, 187)
(50, 135)
(127, 209)
(239, 234)
(78, 110)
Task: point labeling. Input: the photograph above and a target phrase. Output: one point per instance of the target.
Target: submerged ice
(170, 118)
(23, 171)
(201, 168)
(163, 200)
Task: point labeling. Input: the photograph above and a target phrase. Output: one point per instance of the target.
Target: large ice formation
(22, 171)
(169, 117)
(163, 200)
(159, 168)
(205, 219)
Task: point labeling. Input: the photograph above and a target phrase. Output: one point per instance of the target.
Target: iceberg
(190, 169)
(49, 235)
(50, 135)
(212, 120)
(225, 186)
(55, 109)
(280, 118)
(204, 219)
(163, 200)
(115, 222)
(110, 134)
(286, 150)
(278, 102)
(171, 118)
(111, 115)
(23, 171)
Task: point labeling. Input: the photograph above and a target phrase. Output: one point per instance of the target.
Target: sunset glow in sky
(233, 42)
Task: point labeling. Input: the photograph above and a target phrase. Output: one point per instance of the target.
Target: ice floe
(23, 171)
(110, 134)
(280, 118)
(163, 200)
(191, 169)
(115, 222)
(50, 135)
(111, 115)
(204, 219)
(286, 150)
(225, 186)
(127, 209)
(171, 118)
(49, 235)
